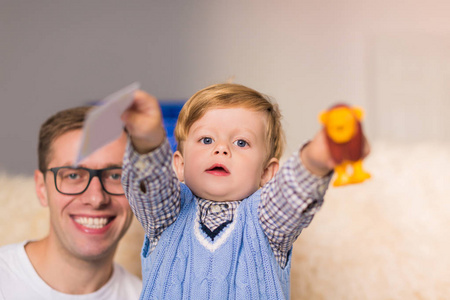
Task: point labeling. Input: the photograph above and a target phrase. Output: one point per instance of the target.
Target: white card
(103, 124)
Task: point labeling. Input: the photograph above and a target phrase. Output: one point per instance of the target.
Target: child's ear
(270, 170)
(41, 189)
(178, 163)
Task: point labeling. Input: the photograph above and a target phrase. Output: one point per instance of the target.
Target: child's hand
(316, 155)
(143, 121)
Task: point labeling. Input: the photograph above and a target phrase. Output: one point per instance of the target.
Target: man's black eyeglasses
(75, 181)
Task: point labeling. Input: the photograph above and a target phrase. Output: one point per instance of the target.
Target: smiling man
(89, 214)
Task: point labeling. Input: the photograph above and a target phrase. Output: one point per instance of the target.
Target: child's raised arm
(316, 156)
(290, 201)
(143, 121)
(149, 181)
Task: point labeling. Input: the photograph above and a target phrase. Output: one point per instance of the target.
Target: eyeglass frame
(92, 173)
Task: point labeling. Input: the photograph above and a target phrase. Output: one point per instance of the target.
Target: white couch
(387, 238)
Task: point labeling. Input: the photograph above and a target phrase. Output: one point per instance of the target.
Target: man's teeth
(94, 223)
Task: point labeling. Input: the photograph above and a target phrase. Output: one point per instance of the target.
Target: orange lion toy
(342, 125)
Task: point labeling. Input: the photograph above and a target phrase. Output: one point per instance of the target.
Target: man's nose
(95, 195)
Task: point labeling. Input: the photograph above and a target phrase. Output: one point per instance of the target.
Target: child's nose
(221, 149)
(224, 152)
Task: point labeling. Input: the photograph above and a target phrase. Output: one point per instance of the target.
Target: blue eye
(206, 140)
(115, 176)
(241, 143)
(73, 176)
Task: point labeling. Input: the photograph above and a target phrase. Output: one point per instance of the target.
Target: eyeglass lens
(74, 181)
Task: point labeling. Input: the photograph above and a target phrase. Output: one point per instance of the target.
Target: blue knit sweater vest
(238, 264)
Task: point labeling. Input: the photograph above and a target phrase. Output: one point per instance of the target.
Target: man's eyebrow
(114, 166)
(107, 166)
(67, 164)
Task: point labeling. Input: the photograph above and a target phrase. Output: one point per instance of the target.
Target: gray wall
(391, 58)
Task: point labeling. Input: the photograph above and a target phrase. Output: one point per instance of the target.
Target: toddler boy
(220, 219)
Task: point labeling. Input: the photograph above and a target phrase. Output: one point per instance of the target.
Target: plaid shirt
(288, 201)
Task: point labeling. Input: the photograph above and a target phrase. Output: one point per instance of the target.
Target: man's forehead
(63, 148)
(64, 152)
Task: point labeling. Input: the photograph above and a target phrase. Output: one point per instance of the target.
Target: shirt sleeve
(152, 188)
(288, 204)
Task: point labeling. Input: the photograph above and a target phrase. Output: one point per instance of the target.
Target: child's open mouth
(218, 170)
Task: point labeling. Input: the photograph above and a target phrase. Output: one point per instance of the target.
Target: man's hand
(143, 121)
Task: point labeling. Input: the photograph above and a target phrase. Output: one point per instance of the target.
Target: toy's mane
(351, 150)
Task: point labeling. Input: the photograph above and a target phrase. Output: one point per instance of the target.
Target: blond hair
(226, 95)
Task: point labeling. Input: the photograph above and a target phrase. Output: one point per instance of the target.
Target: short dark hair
(55, 126)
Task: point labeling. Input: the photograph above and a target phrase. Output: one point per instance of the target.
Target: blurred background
(384, 239)
(390, 57)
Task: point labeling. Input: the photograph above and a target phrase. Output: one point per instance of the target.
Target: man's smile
(93, 222)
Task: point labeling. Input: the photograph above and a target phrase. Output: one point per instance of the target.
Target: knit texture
(237, 264)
